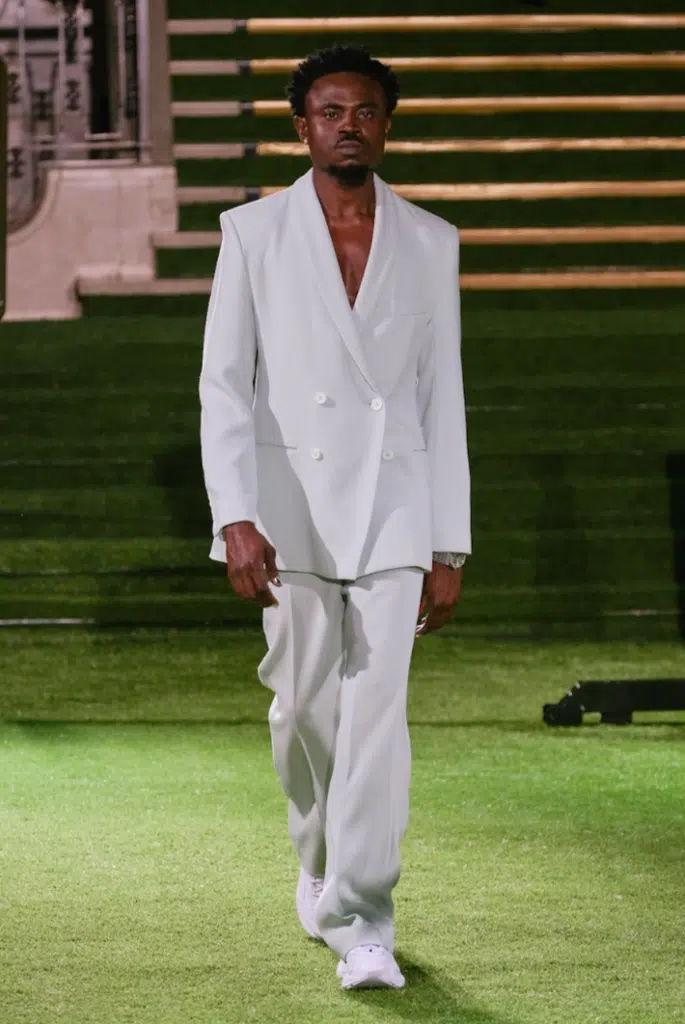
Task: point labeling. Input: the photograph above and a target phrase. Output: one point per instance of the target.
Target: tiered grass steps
(516, 122)
(577, 438)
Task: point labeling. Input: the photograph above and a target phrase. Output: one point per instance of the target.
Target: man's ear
(300, 128)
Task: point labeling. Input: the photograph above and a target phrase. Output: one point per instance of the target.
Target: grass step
(181, 508)
(493, 413)
(569, 212)
(200, 262)
(546, 601)
(639, 624)
(178, 475)
(521, 557)
(88, 554)
(636, 337)
(615, 90)
(448, 168)
(563, 558)
(503, 436)
(507, 124)
(534, 340)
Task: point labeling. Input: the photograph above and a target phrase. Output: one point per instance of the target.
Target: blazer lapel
(377, 275)
(322, 263)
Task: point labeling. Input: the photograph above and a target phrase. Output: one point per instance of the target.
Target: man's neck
(342, 202)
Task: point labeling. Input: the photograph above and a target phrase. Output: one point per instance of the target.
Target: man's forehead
(345, 88)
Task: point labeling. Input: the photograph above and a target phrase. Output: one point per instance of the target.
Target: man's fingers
(263, 595)
(242, 583)
(435, 619)
(270, 564)
(252, 585)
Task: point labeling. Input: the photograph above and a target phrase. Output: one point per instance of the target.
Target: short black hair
(340, 57)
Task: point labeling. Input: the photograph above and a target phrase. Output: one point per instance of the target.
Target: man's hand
(441, 592)
(251, 563)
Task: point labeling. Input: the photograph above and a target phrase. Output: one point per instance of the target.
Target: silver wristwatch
(451, 558)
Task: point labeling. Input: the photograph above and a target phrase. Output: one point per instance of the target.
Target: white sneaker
(307, 896)
(370, 967)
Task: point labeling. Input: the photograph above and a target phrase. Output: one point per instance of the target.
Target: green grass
(146, 873)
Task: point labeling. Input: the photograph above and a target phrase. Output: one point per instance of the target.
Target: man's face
(345, 122)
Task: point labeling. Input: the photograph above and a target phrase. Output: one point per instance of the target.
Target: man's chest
(352, 246)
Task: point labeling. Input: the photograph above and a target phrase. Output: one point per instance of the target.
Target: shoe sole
(374, 979)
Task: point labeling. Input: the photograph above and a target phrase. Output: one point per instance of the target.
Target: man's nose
(348, 124)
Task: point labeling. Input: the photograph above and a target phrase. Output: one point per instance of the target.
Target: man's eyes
(366, 114)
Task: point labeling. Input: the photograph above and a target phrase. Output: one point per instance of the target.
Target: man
(334, 452)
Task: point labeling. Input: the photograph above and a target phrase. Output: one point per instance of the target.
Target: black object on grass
(616, 700)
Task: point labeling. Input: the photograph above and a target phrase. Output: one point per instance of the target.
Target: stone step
(424, 23)
(647, 233)
(513, 62)
(449, 105)
(585, 278)
(188, 194)
(238, 150)
(112, 286)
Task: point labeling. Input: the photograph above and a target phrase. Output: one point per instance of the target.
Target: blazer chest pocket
(404, 323)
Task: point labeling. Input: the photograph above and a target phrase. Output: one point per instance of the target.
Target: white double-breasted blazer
(339, 431)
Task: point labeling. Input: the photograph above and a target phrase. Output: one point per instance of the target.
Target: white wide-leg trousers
(338, 661)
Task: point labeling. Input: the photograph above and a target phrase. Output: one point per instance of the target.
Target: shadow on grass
(427, 998)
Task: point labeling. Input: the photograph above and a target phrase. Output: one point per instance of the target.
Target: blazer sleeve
(226, 389)
(442, 412)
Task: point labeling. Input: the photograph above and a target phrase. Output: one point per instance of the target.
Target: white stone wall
(95, 221)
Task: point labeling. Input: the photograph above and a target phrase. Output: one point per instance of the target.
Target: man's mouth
(349, 144)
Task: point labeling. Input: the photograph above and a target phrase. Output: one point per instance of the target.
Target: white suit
(341, 433)
(349, 449)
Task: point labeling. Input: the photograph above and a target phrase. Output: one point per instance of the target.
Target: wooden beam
(463, 192)
(617, 143)
(595, 278)
(647, 233)
(530, 190)
(500, 104)
(425, 23)
(447, 105)
(514, 62)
